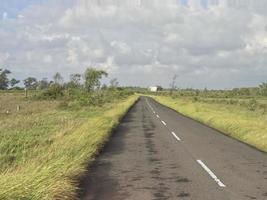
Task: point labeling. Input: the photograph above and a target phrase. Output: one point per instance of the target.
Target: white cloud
(4, 15)
(121, 47)
(72, 57)
(143, 43)
(20, 16)
(48, 59)
(4, 57)
(29, 56)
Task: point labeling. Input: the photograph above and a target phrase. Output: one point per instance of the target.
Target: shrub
(233, 102)
(53, 92)
(252, 104)
(195, 99)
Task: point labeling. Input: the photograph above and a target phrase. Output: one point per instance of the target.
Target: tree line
(80, 90)
(261, 90)
(89, 80)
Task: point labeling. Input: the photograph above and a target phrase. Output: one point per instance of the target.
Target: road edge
(81, 181)
(213, 128)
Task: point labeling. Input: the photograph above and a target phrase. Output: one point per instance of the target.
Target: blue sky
(208, 43)
(13, 7)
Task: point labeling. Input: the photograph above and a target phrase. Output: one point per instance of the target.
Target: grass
(45, 150)
(236, 120)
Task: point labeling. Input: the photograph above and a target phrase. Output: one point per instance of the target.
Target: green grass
(234, 120)
(45, 150)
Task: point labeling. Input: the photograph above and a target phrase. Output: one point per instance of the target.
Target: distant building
(155, 88)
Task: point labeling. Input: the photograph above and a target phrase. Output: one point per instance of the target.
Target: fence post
(26, 92)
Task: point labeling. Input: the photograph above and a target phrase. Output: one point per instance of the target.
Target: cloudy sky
(207, 43)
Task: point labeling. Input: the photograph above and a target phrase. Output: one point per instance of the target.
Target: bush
(195, 99)
(263, 107)
(75, 98)
(233, 102)
(53, 92)
(252, 104)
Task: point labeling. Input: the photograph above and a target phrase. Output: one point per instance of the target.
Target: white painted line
(157, 116)
(164, 123)
(177, 138)
(211, 173)
(149, 105)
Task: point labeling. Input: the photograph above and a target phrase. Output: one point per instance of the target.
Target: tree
(31, 83)
(114, 83)
(43, 84)
(160, 88)
(75, 80)
(92, 78)
(263, 89)
(4, 79)
(58, 79)
(104, 87)
(14, 82)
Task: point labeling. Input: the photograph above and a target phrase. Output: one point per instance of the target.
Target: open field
(45, 149)
(242, 119)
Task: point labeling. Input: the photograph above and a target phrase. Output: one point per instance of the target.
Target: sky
(218, 44)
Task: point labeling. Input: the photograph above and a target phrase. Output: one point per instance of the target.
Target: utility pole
(173, 84)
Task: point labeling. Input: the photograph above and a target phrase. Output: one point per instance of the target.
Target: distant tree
(244, 91)
(160, 88)
(263, 89)
(104, 87)
(58, 79)
(254, 91)
(51, 83)
(14, 82)
(114, 83)
(75, 80)
(197, 92)
(92, 78)
(31, 83)
(205, 91)
(235, 91)
(43, 84)
(4, 79)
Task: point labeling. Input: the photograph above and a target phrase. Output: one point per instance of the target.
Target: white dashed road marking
(211, 173)
(177, 138)
(150, 106)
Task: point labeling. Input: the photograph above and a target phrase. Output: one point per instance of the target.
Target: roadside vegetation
(240, 113)
(53, 130)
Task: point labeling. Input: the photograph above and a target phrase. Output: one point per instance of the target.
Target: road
(158, 154)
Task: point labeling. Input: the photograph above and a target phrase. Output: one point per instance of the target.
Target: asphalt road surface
(158, 154)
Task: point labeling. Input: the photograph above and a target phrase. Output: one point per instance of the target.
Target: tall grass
(245, 124)
(44, 149)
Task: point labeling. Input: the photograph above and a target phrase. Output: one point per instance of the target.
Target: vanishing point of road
(159, 154)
